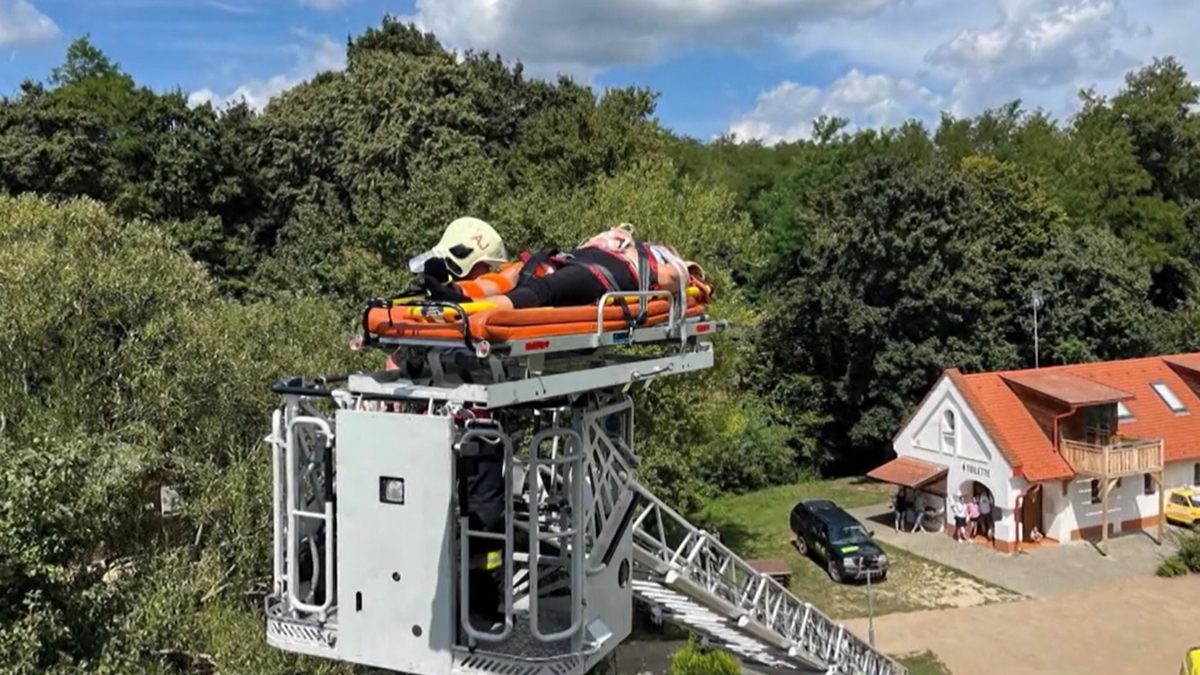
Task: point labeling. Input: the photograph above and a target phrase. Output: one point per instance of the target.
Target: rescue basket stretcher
(621, 318)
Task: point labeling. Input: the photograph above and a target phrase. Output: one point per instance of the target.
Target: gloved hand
(436, 267)
(446, 292)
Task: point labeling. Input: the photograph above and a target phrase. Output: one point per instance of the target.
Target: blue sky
(755, 68)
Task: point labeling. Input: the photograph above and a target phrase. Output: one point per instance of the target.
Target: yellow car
(1191, 662)
(1183, 506)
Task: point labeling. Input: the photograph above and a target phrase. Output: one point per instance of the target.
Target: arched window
(949, 433)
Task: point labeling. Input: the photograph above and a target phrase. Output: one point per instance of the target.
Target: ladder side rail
(821, 634)
(278, 456)
(574, 472)
(295, 514)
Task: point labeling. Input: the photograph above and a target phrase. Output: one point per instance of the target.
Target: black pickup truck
(824, 530)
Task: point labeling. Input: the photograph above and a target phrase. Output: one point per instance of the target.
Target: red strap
(476, 414)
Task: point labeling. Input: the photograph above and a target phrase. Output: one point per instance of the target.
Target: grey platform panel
(395, 566)
(539, 387)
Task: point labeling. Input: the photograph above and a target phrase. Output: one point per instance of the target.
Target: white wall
(1125, 502)
(1058, 515)
(971, 457)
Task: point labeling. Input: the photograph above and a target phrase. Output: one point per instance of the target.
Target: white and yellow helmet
(465, 243)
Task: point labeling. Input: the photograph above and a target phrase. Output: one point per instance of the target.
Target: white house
(1079, 452)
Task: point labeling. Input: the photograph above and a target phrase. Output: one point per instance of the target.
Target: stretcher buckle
(483, 349)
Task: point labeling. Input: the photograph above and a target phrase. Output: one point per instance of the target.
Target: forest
(161, 264)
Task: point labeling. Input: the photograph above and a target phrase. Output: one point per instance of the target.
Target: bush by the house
(1186, 559)
(1171, 567)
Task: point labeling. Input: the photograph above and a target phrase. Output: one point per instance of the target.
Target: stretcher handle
(643, 298)
(374, 303)
(392, 303)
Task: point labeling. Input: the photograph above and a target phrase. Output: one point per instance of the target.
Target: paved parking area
(1051, 570)
(1139, 626)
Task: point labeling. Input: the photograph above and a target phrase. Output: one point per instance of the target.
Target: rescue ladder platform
(375, 552)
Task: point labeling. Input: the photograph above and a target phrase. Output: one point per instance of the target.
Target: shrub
(1184, 560)
(1189, 551)
(1171, 567)
(695, 659)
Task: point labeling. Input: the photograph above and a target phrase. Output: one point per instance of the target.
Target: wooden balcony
(1122, 457)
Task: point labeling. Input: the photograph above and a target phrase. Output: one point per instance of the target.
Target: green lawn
(755, 525)
(923, 663)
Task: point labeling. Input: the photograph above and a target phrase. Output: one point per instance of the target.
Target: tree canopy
(161, 262)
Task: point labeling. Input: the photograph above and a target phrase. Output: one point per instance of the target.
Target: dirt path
(1138, 626)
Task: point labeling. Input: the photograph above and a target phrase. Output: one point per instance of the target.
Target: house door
(1031, 513)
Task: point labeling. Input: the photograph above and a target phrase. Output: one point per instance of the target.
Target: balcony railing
(1125, 457)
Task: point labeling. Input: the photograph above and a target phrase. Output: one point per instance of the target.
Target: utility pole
(870, 612)
(1037, 299)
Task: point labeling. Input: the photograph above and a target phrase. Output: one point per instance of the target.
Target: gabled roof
(1005, 403)
(1012, 427)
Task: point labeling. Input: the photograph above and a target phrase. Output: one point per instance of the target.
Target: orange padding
(506, 325)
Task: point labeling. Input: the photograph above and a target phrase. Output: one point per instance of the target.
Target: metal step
(687, 613)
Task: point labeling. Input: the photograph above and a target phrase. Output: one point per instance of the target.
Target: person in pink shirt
(972, 517)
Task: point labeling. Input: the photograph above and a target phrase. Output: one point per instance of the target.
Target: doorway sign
(975, 470)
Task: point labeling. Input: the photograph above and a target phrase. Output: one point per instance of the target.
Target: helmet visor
(416, 264)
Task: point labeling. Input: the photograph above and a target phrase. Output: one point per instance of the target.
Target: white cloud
(324, 5)
(586, 36)
(1038, 46)
(22, 25)
(976, 55)
(786, 112)
(320, 54)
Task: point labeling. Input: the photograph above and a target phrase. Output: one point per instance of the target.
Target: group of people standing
(973, 515)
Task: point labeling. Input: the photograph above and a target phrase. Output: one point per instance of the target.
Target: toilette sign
(976, 470)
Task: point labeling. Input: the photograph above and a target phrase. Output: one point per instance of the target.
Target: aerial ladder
(372, 547)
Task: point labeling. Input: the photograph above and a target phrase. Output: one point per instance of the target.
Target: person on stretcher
(469, 264)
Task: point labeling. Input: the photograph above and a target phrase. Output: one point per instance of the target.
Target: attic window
(1123, 412)
(1164, 392)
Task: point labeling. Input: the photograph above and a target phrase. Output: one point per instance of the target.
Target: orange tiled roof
(1008, 419)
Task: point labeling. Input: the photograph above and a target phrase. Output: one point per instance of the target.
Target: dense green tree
(915, 268)
(175, 258)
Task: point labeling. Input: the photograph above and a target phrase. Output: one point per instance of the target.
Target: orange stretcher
(499, 326)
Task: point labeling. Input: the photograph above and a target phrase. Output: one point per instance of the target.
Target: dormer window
(1169, 397)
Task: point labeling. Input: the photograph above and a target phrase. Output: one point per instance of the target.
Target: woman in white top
(959, 510)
